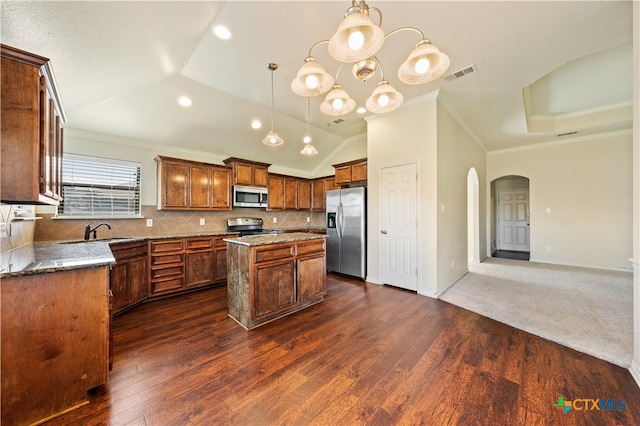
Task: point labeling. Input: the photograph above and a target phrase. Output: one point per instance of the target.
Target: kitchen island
(270, 276)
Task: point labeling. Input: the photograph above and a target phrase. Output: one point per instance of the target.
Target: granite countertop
(264, 239)
(52, 256)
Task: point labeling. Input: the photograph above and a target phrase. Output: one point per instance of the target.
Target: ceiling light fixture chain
(272, 138)
(308, 149)
(357, 41)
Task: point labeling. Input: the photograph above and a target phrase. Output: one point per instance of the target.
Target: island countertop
(265, 239)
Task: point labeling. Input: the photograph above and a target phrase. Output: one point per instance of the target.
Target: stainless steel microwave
(249, 196)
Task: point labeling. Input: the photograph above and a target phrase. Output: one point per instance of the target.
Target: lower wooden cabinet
(128, 275)
(270, 281)
(180, 264)
(54, 342)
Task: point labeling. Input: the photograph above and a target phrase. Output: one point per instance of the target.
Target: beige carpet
(589, 310)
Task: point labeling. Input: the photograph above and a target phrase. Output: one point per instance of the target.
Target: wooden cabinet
(180, 264)
(273, 280)
(319, 188)
(289, 193)
(249, 173)
(166, 266)
(351, 172)
(54, 342)
(32, 119)
(189, 185)
(128, 278)
(276, 192)
(304, 194)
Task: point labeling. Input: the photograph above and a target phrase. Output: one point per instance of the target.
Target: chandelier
(355, 44)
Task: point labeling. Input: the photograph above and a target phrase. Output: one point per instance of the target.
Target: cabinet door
(221, 265)
(175, 185)
(276, 193)
(199, 268)
(260, 176)
(311, 277)
(318, 195)
(221, 188)
(290, 193)
(359, 172)
(343, 175)
(138, 279)
(304, 194)
(119, 286)
(243, 174)
(274, 288)
(200, 188)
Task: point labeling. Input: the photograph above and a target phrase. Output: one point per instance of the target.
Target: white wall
(427, 134)
(457, 153)
(587, 186)
(85, 143)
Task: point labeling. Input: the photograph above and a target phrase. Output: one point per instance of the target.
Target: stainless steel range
(247, 226)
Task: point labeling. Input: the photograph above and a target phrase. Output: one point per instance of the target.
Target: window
(99, 187)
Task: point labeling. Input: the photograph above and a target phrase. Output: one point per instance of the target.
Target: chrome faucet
(88, 231)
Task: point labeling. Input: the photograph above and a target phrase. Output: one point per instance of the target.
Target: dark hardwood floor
(368, 354)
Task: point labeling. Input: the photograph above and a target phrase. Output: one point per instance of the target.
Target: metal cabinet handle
(384, 231)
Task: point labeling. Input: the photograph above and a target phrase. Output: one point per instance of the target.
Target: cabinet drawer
(128, 250)
(199, 244)
(167, 272)
(311, 247)
(220, 242)
(166, 259)
(164, 246)
(270, 253)
(166, 285)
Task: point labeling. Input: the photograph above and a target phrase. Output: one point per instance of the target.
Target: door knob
(384, 231)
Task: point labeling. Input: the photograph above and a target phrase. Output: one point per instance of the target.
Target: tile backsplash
(16, 227)
(172, 223)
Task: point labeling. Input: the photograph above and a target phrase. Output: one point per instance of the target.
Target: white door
(399, 226)
(513, 220)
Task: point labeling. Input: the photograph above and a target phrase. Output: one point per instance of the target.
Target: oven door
(247, 196)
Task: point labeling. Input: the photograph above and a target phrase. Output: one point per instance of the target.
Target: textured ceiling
(120, 66)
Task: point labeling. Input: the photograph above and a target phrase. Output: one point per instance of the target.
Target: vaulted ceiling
(542, 68)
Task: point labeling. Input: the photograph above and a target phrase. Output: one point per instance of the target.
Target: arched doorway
(510, 224)
(473, 216)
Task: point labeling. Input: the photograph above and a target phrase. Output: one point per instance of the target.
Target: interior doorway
(510, 230)
(473, 216)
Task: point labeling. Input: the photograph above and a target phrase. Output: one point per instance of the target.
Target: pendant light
(308, 149)
(272, 138)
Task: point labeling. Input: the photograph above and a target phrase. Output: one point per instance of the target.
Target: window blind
(93, 186)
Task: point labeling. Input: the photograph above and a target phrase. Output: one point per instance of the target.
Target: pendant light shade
(384, 98)
(312, 79)
(357, 38)
(272, 138)
(309, 149)
(424, 64)
(337, 102)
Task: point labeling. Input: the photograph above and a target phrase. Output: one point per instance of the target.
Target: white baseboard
(635, 372)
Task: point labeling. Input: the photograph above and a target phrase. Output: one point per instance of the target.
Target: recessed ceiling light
(222, 32)
(361, 110)
(185, 101)
(256, 124)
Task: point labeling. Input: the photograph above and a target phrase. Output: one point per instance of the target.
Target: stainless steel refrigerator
(346, 231)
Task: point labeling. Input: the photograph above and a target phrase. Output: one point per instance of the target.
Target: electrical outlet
(149, 223)
(275, 220)
(202, 221)
(308, 219)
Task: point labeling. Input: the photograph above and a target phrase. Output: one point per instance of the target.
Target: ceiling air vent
(336, 121)
(461, 73)
(567, 133)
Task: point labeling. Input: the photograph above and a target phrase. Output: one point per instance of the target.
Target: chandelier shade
(384, 98)
(337, 102)
(312, 79)
(424, 64)
(309, 149)
(357, 38)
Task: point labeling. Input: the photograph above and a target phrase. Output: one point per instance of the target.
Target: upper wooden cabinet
(351, 172)
(190, 185)
(319, 188)
(32, 119)
(250, 173)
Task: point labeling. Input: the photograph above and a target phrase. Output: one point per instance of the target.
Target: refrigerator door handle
(339, 221)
